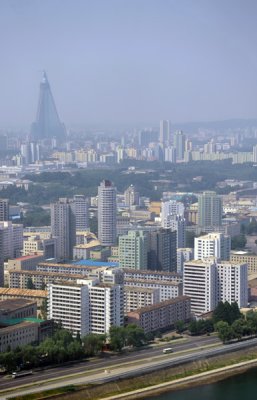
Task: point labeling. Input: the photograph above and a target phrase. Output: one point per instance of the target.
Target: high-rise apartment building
(162, 255)
(107, 209)
(183, 255)
(68, 303)
(170, 154)
(207, 282)
(131, 196)
(4, 209)
(209, 210)
(133, 249)
(255, 153)
(147, 136)
(86, 306)
(164, 136)
(179, 144)
(63, 225)
(11, 243)
(199, 283)
(172, 217)
(215, 245)
(79, 204)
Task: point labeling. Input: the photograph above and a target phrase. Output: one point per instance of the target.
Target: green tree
(238, 328)
(30, 284)
(238, 242)
(226, 312)
(224, 331)
(117, 335)
(180, 326)
(135, 335)
(93, 343)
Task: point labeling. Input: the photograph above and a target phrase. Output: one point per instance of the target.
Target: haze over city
(134, 62)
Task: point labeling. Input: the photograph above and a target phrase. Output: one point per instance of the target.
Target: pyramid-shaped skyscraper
(47, 124)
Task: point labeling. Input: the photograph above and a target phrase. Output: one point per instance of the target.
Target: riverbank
(184, 383)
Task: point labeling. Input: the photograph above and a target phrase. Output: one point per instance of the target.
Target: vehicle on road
(167, 350)
(20, 374)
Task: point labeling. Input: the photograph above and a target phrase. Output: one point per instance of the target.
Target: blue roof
(92, 263)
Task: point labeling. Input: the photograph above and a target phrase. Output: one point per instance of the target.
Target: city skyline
(129, 63)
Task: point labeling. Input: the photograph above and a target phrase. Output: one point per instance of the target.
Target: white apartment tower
(199, 283)
(213, 245)
(69, 304)
(131, 196)
(184, 254)
(233, 283)
(172, 217)
(79, 203)
(106, 307)
(207, 282)
(86, 306)
(107, 209)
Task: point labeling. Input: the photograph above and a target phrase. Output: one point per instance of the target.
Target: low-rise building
(27, 294)
(21, 279)
(139, 297)
(245, 257)
(163, 315)
(17, 308)
(168, 289)
(130, 273)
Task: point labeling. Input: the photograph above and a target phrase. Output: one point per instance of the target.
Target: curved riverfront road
(119, 369)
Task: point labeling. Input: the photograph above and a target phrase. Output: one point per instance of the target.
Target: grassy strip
(46, 394)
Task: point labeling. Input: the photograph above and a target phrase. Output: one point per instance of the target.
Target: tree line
(63, 347)
(227, 321)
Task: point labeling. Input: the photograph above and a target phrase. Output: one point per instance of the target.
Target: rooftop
(23, 292)
(161, 304)
(14, 304)
(149, 272)
(92, 263)
(150, 281)
(31, 257)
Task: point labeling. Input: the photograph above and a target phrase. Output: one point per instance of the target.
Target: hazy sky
(129, 61)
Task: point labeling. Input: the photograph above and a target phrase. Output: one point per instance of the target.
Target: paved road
(104, 363)
(133, 369)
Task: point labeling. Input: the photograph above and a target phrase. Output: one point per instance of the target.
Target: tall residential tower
(107, 209)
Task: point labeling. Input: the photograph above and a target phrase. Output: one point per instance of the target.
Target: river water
(238, 387)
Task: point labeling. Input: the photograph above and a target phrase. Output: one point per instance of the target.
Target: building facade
(107, 209)
(133, 249)
(209, 210)
(212, 245)
(163, 315)
(162, 255)
(63, 226)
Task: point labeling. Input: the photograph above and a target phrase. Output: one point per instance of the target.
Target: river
(237, 387)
